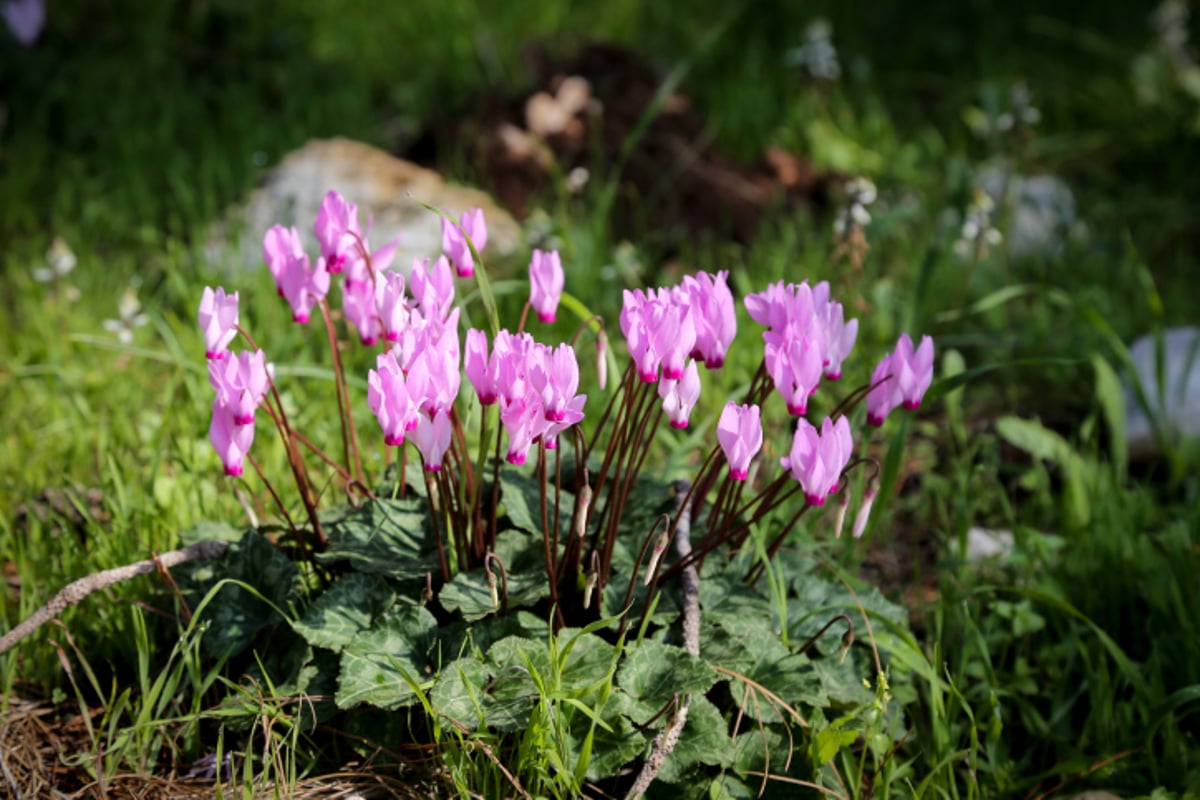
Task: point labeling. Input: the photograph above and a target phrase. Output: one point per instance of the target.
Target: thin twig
(76, 591)
(668, 737)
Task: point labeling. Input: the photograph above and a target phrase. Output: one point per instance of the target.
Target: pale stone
(387, 190)
(1178, 404)
(985, 543)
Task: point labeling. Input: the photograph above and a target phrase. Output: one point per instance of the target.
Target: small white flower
(129, 318)
(860, 193)
(977, 233)
(817, 55)
(60, 260)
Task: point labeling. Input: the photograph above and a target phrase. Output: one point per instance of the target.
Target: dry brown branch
(75, 592)
(668, 737)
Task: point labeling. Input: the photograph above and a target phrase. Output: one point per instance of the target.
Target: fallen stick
(76, 591)
(668, 737)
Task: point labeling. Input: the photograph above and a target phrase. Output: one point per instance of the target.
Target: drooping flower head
(432, 438)
(818, 458)
(303, 287)
(546, 282)
(25, 18)
(680, 397)
(432, 286)
(455, 240)
(739, 432)
(337, 231)
(389, 400)
(714, 316)
(901, 378)
(231, 440)
(218, 316)
(241, 383)
(391, 304)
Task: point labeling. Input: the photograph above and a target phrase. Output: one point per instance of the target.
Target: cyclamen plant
(414, 393)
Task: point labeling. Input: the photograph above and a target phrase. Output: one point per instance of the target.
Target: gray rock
(385, 188)
(1177, 405)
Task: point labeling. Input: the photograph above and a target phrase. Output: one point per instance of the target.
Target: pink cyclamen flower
(794, 361)
(218, 317)
(818, 458)
(432, 438)
(883, 395)
(680, 397)
(571, 415)
(482, 372)
(241, 383)
(337, 231)
(391, 304)
(554, 374)
(297, 283)
(25, 18)
(455, 239)
(739, 432)
(546, 282)
(914, 370)
(715, 318)
(523, 420)
(358, 305)
(389, 400)
(432, 286)
(231, 440)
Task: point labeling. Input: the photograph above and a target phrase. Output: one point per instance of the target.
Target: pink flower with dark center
(301, 286)
(634, 325)
(241, 383)
(388, 399)
(358, 305)
(482, 372)
(884, 394)
(680, 397)
(839, 337)
(739, 432)
(455, 238)
(523, 420)
(714, 314)
(432, 438)
(434, 378)
(554, 374)
(794, 363)
(358, 269)
(674, 334)
(218, 317)
(391, 304)
(546, 282)
(914, 370)
(818, 458)
(337, 231)
(230, 440)
(571, 415)
(432, 286)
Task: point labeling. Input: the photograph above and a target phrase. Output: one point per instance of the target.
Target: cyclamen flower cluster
(901, 378)
(533, 383)
(239, 382)
(806, 337)
(672, 328)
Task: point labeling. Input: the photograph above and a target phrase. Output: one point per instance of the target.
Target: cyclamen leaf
(238, 615)
(654, 673)
(705, 740)
(380, 666)
(344, 610)
(387, 537)
(459, 692)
